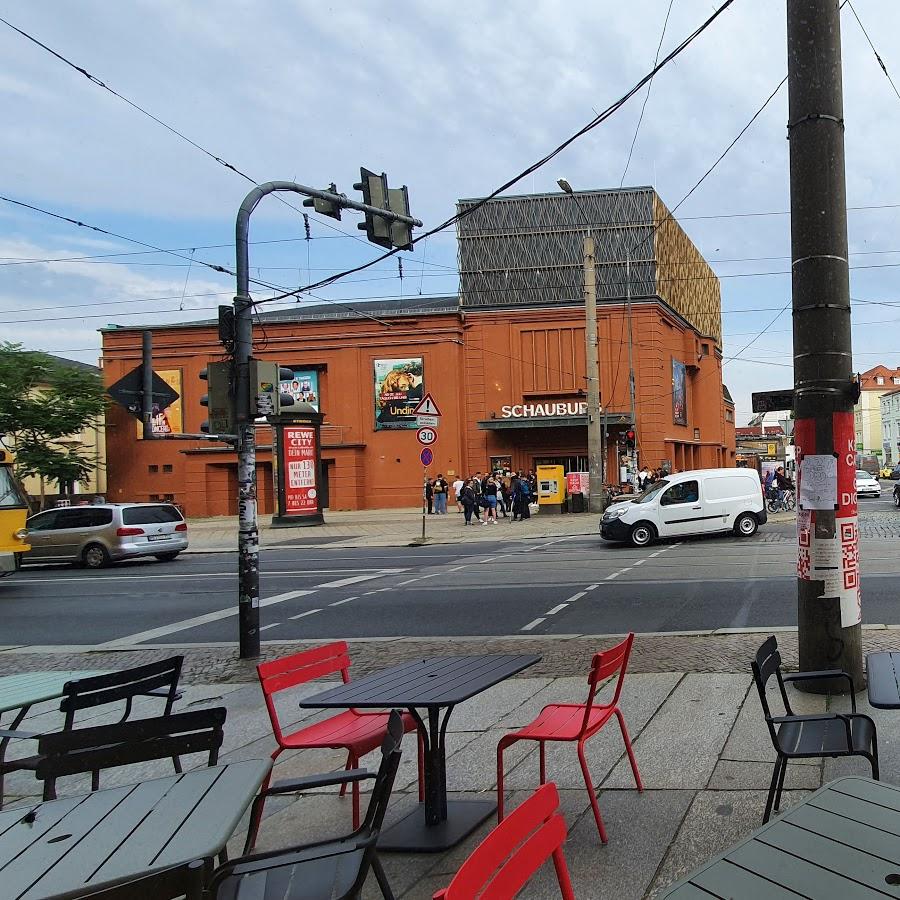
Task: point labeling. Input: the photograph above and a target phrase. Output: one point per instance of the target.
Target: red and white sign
(578, 483)
(427, 407)
(300, 487)
(426, 436)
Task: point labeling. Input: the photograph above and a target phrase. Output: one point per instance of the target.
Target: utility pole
(594, 415)
(824, 394)
(244, 397)
(147, 383)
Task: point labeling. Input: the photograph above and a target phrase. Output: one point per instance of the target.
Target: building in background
(505, 361)
(874, 383)
(890, 427)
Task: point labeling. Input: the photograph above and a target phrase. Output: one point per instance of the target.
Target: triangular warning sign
(427, 407)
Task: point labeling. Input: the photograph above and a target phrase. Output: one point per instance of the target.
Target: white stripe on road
(356, 579)
(579, 595)
(342, 602)
(533, 624)
(144, 572)
(555, 610)
(153, 633)
(308, 612)
(267, 627)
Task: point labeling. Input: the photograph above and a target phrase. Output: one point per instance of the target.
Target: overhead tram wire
(599, 119)
(170, 128)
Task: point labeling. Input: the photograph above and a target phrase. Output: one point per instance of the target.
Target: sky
(450, 99)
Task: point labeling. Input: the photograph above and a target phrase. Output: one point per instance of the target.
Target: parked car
(894, 474)
(867, 485)
(698, 502)
(95, 536)
(885, 472)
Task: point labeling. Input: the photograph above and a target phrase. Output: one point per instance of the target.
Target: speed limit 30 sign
(426, 436)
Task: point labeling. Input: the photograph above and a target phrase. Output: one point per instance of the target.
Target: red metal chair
(355, 731)
(578, 722)
(503, 863)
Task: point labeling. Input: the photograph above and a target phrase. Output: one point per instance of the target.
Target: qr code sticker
(803, 564)
(850, 554)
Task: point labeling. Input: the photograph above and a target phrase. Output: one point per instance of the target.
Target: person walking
(457, 490)
(502, 495)
(429, 495)
(477, 486)
(524, 491)
(440, 489)
(468, 500)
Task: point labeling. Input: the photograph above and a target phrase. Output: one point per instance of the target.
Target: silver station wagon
(95, 536)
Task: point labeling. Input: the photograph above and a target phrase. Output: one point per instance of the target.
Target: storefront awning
(610, 419)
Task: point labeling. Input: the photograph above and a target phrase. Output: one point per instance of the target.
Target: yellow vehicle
(13, 512)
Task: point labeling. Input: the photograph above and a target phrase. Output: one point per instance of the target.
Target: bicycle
(787, 502)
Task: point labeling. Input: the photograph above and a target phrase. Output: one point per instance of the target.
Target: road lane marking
(356, 579)
(639, 562)
(423, 577)
(267, 627)
(341, 602)
(143, 574)
(153, 633)
(578, 596)
(591, 587)
(308, 612)
(533, 624)
(555, 610)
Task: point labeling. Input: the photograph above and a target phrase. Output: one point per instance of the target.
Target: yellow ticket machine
(551, 488)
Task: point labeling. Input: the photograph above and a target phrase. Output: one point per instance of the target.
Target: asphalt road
(574, 585)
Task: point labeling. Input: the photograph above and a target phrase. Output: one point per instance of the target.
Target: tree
(42, 404)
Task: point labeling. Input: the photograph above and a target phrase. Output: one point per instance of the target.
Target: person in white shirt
(457, 487)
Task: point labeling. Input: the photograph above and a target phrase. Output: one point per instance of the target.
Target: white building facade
(890, 427)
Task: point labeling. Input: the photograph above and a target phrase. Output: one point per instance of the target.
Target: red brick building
(505, 364)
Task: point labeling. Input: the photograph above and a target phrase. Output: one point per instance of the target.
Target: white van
(699, 502)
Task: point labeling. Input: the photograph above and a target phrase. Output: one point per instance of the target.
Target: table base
(411, 835)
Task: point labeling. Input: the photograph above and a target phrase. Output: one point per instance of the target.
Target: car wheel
(167, 557)
(745, 525)
(95, 556)
(642, 534)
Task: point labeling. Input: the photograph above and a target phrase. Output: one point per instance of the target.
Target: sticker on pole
(427, 407)
(427, 456)
(426, 436)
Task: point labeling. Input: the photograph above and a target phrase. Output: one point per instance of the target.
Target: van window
(729, 487)
(683, 492)
(149, 515)
(82, 517)
(652, 491)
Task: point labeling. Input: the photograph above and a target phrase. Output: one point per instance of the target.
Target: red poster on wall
(300, 486)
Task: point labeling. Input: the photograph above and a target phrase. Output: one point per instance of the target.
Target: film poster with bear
(828, 539)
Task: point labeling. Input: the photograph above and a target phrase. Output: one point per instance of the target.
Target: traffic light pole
(596, 495)
(147, 384)
(248, 525)
(828, 602)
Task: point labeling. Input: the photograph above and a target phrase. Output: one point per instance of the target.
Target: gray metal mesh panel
(528, 250)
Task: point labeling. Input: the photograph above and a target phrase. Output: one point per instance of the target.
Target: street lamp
(596, 461)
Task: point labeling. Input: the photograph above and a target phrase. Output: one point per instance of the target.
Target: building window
(879, 379)
(704, 349)
(729, 415)
(167, 467)
(152, 468)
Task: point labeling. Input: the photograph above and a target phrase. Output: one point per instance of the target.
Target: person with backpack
(469, 502)
(440, 488)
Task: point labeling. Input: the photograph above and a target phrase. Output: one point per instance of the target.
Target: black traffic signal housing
(630, 439)
(325, 207)
(219, 399)
(401, 232)
(265, 383)
(375, 193)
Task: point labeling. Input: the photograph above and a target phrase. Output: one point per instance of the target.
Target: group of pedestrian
(485, 498)
(647, 477)
(436, 492)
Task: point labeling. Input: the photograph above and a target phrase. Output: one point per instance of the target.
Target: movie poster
(399, 386)
(303, 387)
(168, 420)
(679, 392)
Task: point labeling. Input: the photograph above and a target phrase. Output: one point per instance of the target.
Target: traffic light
(219, 399)
(630, 439)
(265, 384)
(325, 207)
(401, 232)
(375, 193)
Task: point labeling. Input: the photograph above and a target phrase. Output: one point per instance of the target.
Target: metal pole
(147, 383)
(424, 499)
(828, 600)
(595, 421)
(632, 453)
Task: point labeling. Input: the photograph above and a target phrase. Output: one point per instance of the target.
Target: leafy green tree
(42, 406)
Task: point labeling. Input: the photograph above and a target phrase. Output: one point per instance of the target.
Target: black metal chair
(81, 750)
(156, 679)
(809, 736)
(331, 869)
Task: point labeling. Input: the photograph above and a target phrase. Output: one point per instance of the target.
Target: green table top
(843, 841)
(77, 846)
(28, 688)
